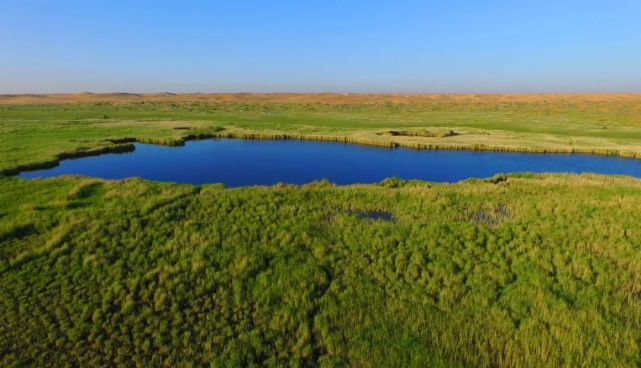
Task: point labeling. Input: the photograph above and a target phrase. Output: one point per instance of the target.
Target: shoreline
(126, 144)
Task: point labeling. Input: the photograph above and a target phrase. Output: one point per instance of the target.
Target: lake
(236, 162)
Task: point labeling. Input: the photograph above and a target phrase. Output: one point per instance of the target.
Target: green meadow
(517, 270)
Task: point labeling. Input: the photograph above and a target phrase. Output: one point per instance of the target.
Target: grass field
(38, 130)
(511, 271)
(480, 273)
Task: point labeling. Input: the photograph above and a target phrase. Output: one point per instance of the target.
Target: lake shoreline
(249, 161)
(126, 145)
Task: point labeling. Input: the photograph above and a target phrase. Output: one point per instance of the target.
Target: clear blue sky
(320, 45)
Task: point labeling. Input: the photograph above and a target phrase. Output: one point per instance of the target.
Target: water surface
(236, 162)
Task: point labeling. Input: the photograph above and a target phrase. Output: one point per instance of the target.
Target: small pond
(236, 162)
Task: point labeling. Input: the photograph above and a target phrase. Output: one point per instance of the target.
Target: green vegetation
(38, 132)
(512, 271)
(480, 273)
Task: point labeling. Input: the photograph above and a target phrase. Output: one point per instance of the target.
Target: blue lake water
(236, 162)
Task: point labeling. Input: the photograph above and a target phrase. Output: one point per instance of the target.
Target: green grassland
(40, 132)
(481, 273)
(511, 271)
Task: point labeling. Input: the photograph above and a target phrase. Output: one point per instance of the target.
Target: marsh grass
(480, 273)
(511, 271)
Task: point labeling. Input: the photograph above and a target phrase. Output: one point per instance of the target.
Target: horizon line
(398, 93)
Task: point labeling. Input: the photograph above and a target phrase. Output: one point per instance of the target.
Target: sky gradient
(450, 46)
